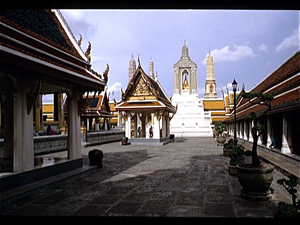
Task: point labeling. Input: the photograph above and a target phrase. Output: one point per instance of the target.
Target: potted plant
(284, 209)
(237, 157)
(220, 128)
(124, 140)
(256, 178)
(228, 147)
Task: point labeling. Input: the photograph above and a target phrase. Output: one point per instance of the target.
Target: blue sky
(246, 45)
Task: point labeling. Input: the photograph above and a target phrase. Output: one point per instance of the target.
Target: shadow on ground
(196, 186)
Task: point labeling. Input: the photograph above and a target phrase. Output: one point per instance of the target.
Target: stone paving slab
(186, 178)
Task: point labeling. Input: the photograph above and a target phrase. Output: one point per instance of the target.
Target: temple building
(146, 110)
(191, 118)
(97, 115)
(39, 55)
(151, 69)
(132, 68)
(282, 121)
(211, 102)
(210, 83)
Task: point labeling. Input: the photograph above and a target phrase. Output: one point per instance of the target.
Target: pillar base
(256, 196)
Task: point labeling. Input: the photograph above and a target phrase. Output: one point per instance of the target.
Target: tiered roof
(144, 93)
(41, 40)
(98, 105)
(283, 84)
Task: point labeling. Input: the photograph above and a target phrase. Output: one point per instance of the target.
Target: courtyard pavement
(186, 178)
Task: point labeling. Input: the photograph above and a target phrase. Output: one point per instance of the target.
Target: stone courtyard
(186, 178)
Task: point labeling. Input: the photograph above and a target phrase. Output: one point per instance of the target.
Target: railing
(45, 144)
(50, 143)
(99, 137)
(56, 143)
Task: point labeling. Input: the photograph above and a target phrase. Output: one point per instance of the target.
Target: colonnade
(158, 120)
(281, 127)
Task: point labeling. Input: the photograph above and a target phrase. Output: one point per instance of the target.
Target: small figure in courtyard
(151, 131)
(273, 144)
(139, 131)
(49, 131)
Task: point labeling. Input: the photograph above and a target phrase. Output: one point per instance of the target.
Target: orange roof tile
(213, 104)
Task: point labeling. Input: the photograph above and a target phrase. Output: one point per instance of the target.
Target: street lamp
(234, 86)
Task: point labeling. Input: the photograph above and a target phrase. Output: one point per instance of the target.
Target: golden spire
(185, 85)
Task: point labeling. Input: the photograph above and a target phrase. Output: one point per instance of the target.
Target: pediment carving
(141, 89)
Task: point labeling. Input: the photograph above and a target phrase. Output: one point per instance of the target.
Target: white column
(285, 148)
(23, 147)
(128, 126)
(119, 119)
(245, 129)
(156, 131)
(168, 125)
(17, 142)
(27, 130)
(74, 145)
(135, 125)
(251, 124)
(242, 128)
(232, 129)
(163, 123)
(105, 123)
(269, 131)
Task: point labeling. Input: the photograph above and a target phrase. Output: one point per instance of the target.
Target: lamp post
(234, 86)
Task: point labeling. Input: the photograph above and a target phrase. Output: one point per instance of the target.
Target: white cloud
(225, 54)
(75, 14)
(98, 58)
(80, 23)
(227, 86)
(268, 63)
(116, 87)
(48, 98)
(288, 42)
(262, 48)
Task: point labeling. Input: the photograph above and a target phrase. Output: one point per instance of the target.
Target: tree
(257, 130)
(220, 127)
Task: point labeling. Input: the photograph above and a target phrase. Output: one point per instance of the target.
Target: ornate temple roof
(98, 105)
(40, 39)
(213, 104)
(144, 93)
(185, 58)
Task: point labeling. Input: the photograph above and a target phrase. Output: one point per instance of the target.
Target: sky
(247, 45)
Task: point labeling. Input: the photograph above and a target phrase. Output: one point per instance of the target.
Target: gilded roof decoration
(45, 35)
(145, 91)
(80, 40)
(88, 52)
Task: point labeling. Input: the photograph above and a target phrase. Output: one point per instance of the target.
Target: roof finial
(132, 55)
(209, 51)
(139, 60)
(88, 52)
(80, 40)
(185, 42)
